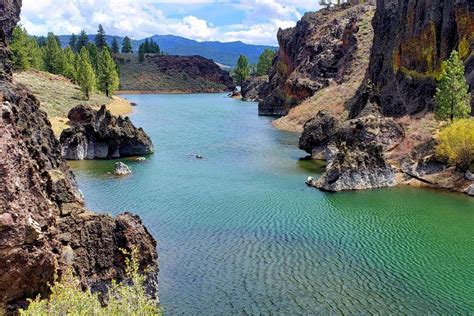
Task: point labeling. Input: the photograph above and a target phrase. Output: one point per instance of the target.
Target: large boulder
(412, 39)
(100, 135)
(319, 49)
(354, 150)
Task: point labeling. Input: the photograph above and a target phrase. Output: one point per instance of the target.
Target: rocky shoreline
(379, 137)
(44, 225)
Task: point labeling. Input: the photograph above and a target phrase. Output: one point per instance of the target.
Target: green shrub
(126, 298)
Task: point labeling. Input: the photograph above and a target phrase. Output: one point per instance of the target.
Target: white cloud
(141, 18)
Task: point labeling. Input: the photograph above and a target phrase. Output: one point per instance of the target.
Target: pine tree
(53, 55)
(18, 47)
(82, 41)
(107, 75)
(141, 53)
(72, 42)
(115, 46)
(242, 70)
(69, 64)
(100, 40)
(452, 93)
(85, 73)
(126, 45)
(265, 62)
(93, 54)
(41, 41)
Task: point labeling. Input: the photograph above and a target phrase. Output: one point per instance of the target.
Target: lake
(239, 232)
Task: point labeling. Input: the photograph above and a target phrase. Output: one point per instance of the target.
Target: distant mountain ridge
(225, 53)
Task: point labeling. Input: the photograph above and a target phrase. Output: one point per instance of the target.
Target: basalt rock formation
(412, 39)
(44, 226)
(354, 150)
(172, 74)
(100, 135)
(318, 51)
(251, 87)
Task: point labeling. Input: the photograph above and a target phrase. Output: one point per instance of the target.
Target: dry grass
(334, 97)
(59, 95)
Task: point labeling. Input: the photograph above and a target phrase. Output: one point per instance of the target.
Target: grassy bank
(58, 95)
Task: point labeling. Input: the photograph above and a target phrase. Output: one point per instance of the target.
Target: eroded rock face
(319, 49)
(354, 150)
(412, 39)
(100, 135)
(42, 215)
(251, 88)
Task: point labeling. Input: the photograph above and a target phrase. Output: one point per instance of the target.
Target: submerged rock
(100, 135)
(122, 169)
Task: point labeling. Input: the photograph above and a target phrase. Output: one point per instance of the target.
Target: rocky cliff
(172, 74)
(320, 50)
(412, 39)
(251, 88)
(101, 135)
(42, 215)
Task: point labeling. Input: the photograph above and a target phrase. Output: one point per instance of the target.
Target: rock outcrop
(42, 215)
(354, 150)
(318, 51)
(172, 74)
(251, 88)
(100, 135)
(121, 169)
(412, 39)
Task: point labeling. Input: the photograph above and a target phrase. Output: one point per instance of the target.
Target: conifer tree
(53, 55)
(41, 41)
(265, 62)
(242, 70)
(69, 64)
(18, 47)
(100, 40)
(127, 45)
(115, 46)
(72, 42)
(85, 73)
(141, 53)
(82, 41)
(93, 54)
(453, 100)
(107, 75)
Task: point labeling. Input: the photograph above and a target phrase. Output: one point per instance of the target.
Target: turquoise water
(239, 232)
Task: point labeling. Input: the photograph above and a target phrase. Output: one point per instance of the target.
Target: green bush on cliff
(126, 298)
(456, 143)
(452, 94)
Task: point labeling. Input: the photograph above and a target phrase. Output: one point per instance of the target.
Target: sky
(250, 21)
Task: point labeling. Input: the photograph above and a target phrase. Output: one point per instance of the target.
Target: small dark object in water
(133, 104)
(199, 157)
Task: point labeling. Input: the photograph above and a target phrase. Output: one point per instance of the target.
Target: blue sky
(251, 21)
